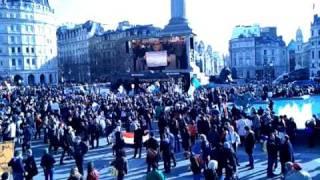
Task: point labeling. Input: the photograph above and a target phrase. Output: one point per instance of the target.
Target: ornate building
(314, 43)
(28, 42)
(73, 50)
(209, 61)
(257, 53)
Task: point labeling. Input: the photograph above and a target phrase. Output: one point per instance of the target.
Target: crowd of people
(202, 125)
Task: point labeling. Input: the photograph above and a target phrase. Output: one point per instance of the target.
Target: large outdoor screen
(166, 53)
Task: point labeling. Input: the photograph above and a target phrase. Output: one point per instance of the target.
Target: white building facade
(257, 53)
(28, 46)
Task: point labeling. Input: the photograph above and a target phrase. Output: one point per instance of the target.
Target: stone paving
(309, 158)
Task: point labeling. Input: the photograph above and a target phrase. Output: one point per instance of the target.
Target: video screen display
(166, 53)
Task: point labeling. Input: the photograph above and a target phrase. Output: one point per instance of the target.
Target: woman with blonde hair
(74, 174)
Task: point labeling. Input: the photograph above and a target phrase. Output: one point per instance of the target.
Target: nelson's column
(178, 23)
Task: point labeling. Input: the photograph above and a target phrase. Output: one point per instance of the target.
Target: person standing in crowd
(10, 131)
(195, 167)
(138, 140)
(94, 133)
(121, 164)
(79, 150)
(286, 153)
(30, 166)
(291, 128)
(47, 163)
(39, 125)
(241, 124)
(272, 150)
(27, 136)
(166, 154)
(152, 146)
(169, 136)
(74, 174)
(228, 161)
(249, 143)
(234, 139)
(211, 172)
(186, 144)
(118, 141)
(16, 164)
(66, 142)
(93, 173)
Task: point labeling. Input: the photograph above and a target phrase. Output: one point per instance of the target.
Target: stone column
(178, 9)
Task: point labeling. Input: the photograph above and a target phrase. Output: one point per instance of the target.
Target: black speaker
(127, 47)
(191, 43)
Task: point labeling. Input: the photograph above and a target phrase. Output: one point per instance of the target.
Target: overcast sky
(211, 20)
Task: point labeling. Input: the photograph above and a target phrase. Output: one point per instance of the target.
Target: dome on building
(42, 2)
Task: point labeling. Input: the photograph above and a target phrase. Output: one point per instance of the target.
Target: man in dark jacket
(47, 163)
(121, 164)
(228, 160)
(30, 166)
(79, 150)
(138, 137)
(286, 153)
(16, 164)
(152, 152)
(166, 152)
(249, 143)
(272, 150)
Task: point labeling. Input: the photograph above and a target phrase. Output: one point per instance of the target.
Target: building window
(318, 54)
(313, 66)
(32, 50)
(19, 49)
(33, 61)
(312, 55)
(12, 39)
(13, 50)
(13, 62)
(319, 32)
(272, 52)
(0, 50)
(27, 49)
(28, 61)
(19, 62)
(264, 52)
(1, 63)
(11, 28)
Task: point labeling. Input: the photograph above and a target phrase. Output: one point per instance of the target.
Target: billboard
(6, 153)
(165, 53)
